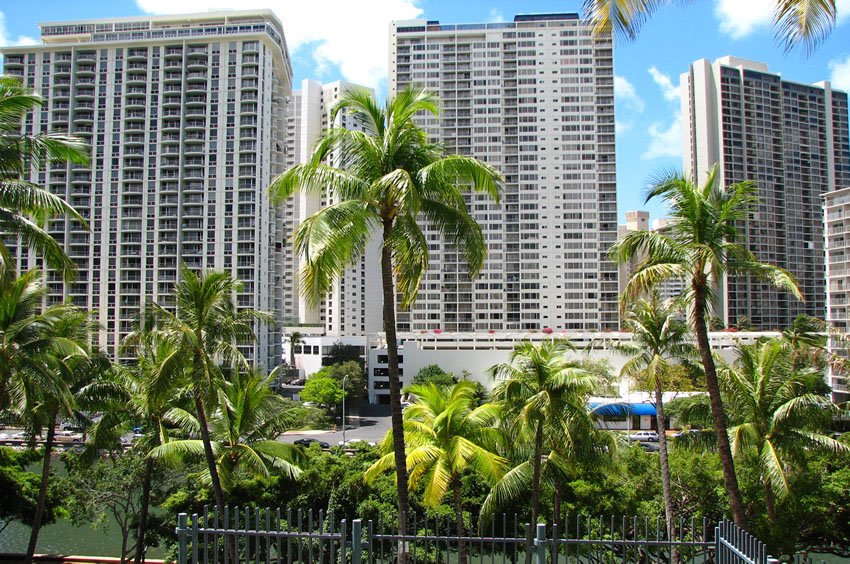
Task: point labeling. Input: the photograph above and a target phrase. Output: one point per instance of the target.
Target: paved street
(370, 427)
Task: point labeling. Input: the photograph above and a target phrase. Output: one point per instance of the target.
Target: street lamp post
(343, 408)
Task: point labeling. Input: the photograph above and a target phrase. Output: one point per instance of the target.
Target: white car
(649, 436)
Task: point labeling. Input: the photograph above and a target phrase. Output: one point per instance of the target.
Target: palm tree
(52, 393)
(776, 415)
(24, 206)
(385, 179)
(243, 431)
(203, 332)
(658, 337)
(544, 398)
(700, 246)
(447, 435)
(803, 23)
(295, 339)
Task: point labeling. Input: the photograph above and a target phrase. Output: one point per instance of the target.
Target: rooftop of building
(520, 20)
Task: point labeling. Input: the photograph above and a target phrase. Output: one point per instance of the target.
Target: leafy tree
(605, 382)
(340, 353)
(433, 374)
(243, 432)
(111, 487)
(352, 371)
(700, 246)
(388, 180)
(19, 490)
(659, 340)
(544, 398)
(447, 435)
(797, 23)
(775, 416)
(323, 390)
(204, 331)
(24, 206)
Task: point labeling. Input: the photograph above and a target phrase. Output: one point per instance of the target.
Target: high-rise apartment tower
(351, 307)
(185, 119)
(791, 139)
(535, 99)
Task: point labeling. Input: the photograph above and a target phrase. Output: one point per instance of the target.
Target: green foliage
(433, 374)
(605, 381)
(340, 353)
(323, 390)
(355, 377)
(19, 489)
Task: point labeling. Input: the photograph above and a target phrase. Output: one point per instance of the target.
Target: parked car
(649, 447)
(307, 441)
(651, 436)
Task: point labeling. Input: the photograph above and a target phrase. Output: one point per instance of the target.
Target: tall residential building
(184, 116)
(637, 220)
(790, 139)
(535, 99)
(837, 228)
(350, 309)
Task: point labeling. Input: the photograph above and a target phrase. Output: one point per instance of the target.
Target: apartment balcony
(134, 139)
(197, 111)
(195, 124)
(171, 125)
(170, 138)
(61, 93)
(194, 148)
(196, 100)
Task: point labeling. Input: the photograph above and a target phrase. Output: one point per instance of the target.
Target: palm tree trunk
(665, 471)
(770, 501)
(388, 287)
(42, 490)
(730, 479)
(143, 512)
(459, 519)
(535, 477)
(218, 492)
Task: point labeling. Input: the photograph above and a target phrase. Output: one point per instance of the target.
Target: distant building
(534, 98)
(353, 306)
(837, 229)
(791, 139)
(183, 115)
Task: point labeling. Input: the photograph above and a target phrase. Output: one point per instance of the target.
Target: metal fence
(274, 536)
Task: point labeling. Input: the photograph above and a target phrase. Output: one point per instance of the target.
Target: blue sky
(332, 39)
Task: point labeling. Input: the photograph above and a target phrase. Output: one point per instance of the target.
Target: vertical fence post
(540, 543)
(356, 541)
(195, 542)
(181, 538)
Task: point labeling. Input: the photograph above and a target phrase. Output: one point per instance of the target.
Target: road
(368, 427)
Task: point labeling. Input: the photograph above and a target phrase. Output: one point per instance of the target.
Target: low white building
(472, 354)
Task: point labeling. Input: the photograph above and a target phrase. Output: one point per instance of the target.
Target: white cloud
(5, 40)
(739, 18)
(668, 89)
(665, 142)
(496, 16)
(625, 91)
(839, 73)
(351, 35)
(621, 127)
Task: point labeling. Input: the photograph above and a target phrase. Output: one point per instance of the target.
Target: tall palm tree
(243, 431)
(701, 246)
(203, 331)
(658, 338)
(797, 23)
(52, 394)
(544, 398)
(383, 181)
(295, 339)
(775, 414)
(447, 435)
(24, 206)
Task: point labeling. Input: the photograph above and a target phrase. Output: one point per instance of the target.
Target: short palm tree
(203, 332)
(447, 435)
(544, 400)
(24, 206)
(797, 23)
(775, 414)
(243, 432)
(701, 246)
(658, 339)
(295, 339)
(383, 181)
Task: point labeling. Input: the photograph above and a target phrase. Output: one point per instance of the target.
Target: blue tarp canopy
(622, 408)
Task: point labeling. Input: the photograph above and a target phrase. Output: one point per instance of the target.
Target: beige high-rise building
(534, 98)
(353, 307)
(184, 115)
(791, 139)
(837, 230)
